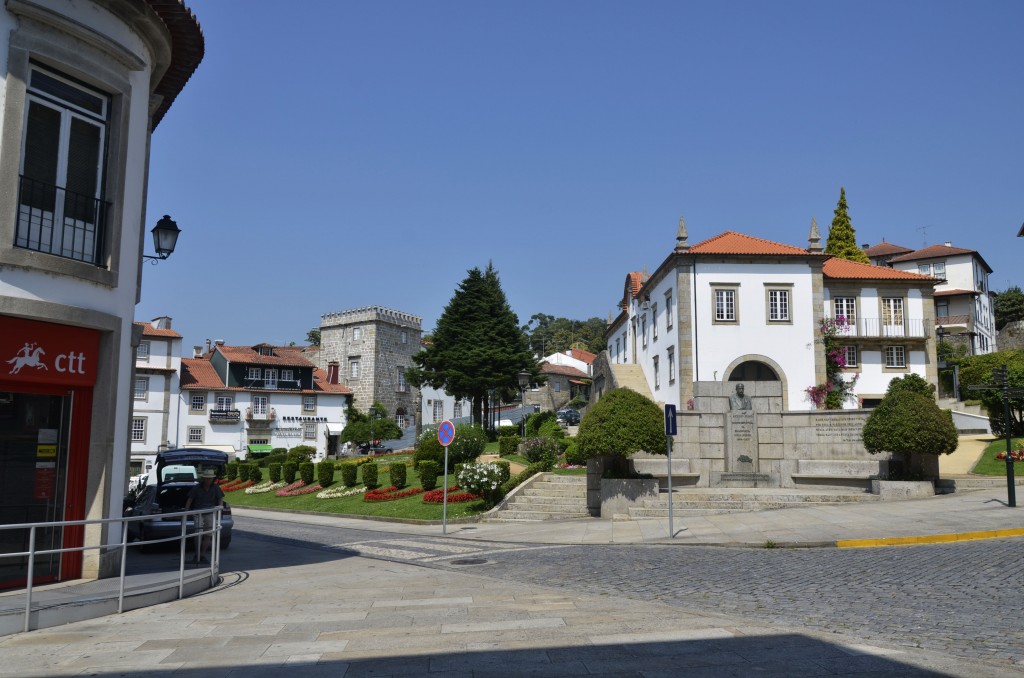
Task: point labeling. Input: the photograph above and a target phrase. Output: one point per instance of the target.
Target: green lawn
(408, 508)
(988, 465)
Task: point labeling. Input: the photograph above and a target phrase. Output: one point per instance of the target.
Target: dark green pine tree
(477, 345)
(842, 239)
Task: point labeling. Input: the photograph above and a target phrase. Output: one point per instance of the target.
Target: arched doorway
(753, 370)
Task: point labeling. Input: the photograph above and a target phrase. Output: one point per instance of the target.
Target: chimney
(332, 372)
(197, 351)
(161, 323)
(207, 345)
(949, 243)
(219, 342)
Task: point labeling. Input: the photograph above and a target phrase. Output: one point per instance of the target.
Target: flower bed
(235, 486)
(299, 487)
(266, 486)
(391, 493)
(1015, 455)
(454, 496)
(338, 492)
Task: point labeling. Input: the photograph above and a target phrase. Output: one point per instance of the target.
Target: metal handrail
(196, 533)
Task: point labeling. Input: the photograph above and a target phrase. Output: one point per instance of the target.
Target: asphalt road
(963, 599)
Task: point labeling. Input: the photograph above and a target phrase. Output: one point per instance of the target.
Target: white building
(251, 399)
(156, 393)
(83, 85)
(963, 303)
(735, 308)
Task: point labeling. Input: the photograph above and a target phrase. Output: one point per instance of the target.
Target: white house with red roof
(567, 375)
(252, 399)
(963, 301)
(155, 394)
(736, 308)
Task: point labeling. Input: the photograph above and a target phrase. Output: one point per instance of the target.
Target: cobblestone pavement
(963, 599)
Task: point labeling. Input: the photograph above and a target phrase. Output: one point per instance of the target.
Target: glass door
(33, 475)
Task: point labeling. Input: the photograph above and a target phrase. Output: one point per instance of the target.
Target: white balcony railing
(880, 328)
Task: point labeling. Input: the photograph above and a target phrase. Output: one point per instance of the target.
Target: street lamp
(524, 381)
(165, 237)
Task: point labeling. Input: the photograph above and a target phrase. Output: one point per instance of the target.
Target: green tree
(842, 239)
(477, 345)
(313, 337)
(620, 423)
(1008, 306)
(359, 429)
(548, 334)
(976, 370)
(908, 422)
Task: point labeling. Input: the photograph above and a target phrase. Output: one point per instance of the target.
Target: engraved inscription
(840, 429)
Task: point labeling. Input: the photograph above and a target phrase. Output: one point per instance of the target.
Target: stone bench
(659, 469)
(835, 472)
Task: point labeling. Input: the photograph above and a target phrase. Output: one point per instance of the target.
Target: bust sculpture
(739, 401)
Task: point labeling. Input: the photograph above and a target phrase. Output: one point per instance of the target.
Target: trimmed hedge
(306, 472)
(275, 472)
(370, 475)
(255, 473)
(398, 474)
(288, 472)
(505, 431)
(429, 470)
(508, 444)
(325, 473)
(232, 470)
(243, 472)
(348, 474)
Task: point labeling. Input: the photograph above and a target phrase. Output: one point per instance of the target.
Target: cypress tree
(842, 239)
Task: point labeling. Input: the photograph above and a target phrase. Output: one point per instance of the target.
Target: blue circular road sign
(446, 433)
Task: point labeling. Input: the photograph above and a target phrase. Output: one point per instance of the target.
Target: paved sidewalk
(302, 612)
(967, 514)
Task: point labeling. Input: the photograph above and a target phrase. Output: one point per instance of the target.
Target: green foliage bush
(429, 470)
(369, 472)
(275, 472)
(504, 470)
(541, 449)
(550, 429)
(536, 420)
(255, 473)
(243, 471)
(274, 458)
(397, 474)
(306, 472)
(301, 453)
(232, 470)
(573, 455)
(469, 443)
(348, 474)
(508, 444)
(325, 473)
(977, 370)
(908, 423)
(428, 449)
(508, 431)
(620, 423)
(288, 470)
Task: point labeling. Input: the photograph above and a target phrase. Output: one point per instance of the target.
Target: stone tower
(373, 346)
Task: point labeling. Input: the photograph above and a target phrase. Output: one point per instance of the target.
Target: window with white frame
(353, 369)
(892, 316)
(849, 356)
(942, 308)
(725, 305)
(618, 351)
(939, 269)
(643, 329)
(657, 374)
(225, 402)
(357, 334)
(287, 375)
(266, 350)
(270, 378)
(195, 434)
(309, 430)
(895, 357)
(142, 350)
(669, 310)
(654, 321)
(141, 388)
(403, 385)
(625, 347)
(458, 410)
(253, 373)
(924, 269)
(309, 403)
(259, 404)
(778, 306)
(671, 354)
(61, 209)
(197, 402)
(846, 308)
(138, 429)
(438, 410)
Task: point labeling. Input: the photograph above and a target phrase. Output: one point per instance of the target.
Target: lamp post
(524, 381)
(165, 237)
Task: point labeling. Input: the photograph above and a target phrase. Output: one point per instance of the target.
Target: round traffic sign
(446, 433)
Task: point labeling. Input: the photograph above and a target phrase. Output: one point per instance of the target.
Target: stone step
(548, 501)
(521, 516)
(554, 479)
(548, 492)
(546, 505)
(790, 498)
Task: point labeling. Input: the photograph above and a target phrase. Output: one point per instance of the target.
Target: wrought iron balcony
(56, 221)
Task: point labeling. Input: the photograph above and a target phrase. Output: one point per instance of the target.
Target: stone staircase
(712, 501)
(548, 497)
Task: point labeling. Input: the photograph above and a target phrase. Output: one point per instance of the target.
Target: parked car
(376, 447)
(568, 416)
(165, 491)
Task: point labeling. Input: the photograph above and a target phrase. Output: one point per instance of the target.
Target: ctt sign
(35, 352)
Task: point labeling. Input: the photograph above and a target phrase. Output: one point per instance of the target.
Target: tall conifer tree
(477, 345)
(842, 239)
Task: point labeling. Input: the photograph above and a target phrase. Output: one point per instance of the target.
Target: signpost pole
(670, 430)
(445, 436)
(1011, 489)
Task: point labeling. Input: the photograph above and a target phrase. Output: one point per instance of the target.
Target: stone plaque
(741, 442)
(840, 429)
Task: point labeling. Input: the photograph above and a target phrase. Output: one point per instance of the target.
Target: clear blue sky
(330, 155)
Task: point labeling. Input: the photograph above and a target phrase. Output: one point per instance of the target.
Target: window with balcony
(61, 210)
(259, 405)
(892, 316)
(845, 307)
(139, 430)
(141, 388)
(287, 375)
(270, 378)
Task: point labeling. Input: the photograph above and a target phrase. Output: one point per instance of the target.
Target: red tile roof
(187, 49)
(150, 331)
(320, 383)
(562, 370)
(852, 270)
(732, 242)
(198, 373)
(290, 356)
(883, 249)
(585, 356)
(938, 251)
(953, 293)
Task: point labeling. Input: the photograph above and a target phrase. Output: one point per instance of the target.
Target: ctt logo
(31, 355)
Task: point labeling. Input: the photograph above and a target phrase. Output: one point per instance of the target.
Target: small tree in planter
(620, 423)
(908, 422)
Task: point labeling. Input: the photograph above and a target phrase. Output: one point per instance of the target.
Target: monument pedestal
(742, 462)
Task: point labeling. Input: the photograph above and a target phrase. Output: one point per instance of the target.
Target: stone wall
(1011, 337)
